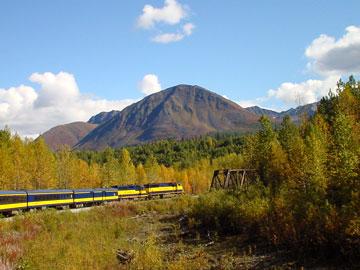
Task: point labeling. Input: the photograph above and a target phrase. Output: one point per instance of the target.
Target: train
(23, 200)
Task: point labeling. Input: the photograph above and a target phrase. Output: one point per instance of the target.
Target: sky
(63, 60)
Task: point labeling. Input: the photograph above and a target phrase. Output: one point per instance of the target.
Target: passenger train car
(34, 199)
(11, 201)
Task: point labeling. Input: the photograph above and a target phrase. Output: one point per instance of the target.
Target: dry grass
(89, 240)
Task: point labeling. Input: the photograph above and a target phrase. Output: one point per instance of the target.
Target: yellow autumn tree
(126, 172)
(141, 177)
(43, 165)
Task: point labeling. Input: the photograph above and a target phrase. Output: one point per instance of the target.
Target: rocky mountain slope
(68, 134)
(182, 111)
(295, 114)
(102, 117)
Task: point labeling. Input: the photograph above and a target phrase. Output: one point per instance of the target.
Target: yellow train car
(131, 192)
(12, 200)
(163, 189)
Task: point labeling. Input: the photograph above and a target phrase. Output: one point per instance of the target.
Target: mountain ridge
(294, 113)
(178, 112)
(182, 111)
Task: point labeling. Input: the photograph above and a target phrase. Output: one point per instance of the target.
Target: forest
(27, 164)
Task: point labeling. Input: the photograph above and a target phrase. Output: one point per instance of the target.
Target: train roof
(127, 186)
(104, 189)
(12, 192)
(51, 191)
(162, 184)
(84, 190)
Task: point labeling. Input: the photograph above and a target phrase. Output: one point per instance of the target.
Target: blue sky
(244, 50)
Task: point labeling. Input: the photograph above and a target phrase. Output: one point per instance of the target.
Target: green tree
(270, 158)
(344, 161)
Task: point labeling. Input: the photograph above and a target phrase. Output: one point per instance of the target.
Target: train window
(12, 199)
(83, 195)
(51, 197)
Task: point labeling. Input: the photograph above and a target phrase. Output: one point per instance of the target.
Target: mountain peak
(181, 111)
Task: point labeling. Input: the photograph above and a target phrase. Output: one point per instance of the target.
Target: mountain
(261, 111)
(182, 111)
(102, 117)
(298, 112)
(68, 134)
(295, 114)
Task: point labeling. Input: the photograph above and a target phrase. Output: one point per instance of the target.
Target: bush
(232, 212)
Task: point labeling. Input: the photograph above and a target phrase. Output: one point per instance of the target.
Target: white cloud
(329, 56)
(55, 88)
(167, 38)
(171, 13)
(149, 84)
(303, 93)
(58, 101)
(248, 103)
(253, 102)
(174, 37)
